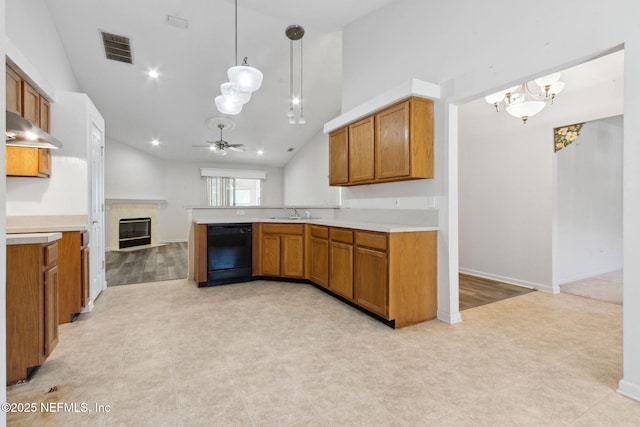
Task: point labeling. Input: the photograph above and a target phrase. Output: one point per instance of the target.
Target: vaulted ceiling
(192, 63)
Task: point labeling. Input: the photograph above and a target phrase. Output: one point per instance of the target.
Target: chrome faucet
(295, 213)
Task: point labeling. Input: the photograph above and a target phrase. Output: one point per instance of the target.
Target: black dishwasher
(228, 253)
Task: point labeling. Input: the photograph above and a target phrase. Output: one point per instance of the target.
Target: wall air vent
(117, 47)
(174, 21)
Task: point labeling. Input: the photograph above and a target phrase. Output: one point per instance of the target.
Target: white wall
(306, 175)
(31, 29)
(133, 174)
(464, 46)
(589, 202)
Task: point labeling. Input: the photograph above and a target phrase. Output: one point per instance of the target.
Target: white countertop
(47, 228)
(369, 226)
(32, 238)
(47, 223)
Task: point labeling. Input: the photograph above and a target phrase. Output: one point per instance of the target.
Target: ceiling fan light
(301, 120)
(245, 78)
(232, 94)
(219, 151)
(556, 88)
(227, 107)
(494, 98)
(525, 109)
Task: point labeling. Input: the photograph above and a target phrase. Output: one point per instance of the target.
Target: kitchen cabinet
(393, 144)
(341, 262)
(24, 99)
(361, 151)
(370, 284)
(30, 103)
(200, 253)
(28, 162)
(280, 250)
(318, 244)
(339, 157)
(14, 91)
(32, 307)
(73, 272)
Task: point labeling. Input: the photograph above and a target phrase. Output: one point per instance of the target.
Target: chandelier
(243, 80)
(527, 99)
(295, 32)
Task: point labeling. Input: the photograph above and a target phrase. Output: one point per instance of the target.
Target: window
(232, 187)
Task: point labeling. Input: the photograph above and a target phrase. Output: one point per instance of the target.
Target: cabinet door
(44, 162)
(14, 91)
(270, 256)
(361, 151)
(319, 261)
(44, 115)
(371, 283)
(30, 104)
(292, 256)
(341, 270)
(84, 277)
(393, 152)
(50, 310)
(339, 157)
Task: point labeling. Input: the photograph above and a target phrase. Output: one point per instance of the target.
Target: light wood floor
(476, 291)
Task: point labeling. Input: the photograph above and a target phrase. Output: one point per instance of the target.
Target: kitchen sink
(289, 218)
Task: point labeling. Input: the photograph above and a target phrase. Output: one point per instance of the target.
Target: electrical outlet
(396, 203)
(240, 212)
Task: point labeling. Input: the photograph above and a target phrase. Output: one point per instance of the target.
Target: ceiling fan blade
(236, 147)
(202, 146)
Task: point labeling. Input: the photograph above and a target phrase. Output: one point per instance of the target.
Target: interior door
(97, 252)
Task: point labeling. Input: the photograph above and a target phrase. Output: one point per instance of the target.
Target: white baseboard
(450, 318)
(512, 281)
(629, 389)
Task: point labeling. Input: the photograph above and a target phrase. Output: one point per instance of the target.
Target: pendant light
(295, 32)
(243, 77)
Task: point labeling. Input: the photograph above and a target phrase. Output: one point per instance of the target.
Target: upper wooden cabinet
(339, 157)
(361, 151)
(24, 99)
(14, 91)
(394, 144)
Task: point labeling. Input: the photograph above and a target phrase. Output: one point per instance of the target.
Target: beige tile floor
(283, 354)
(604, 287)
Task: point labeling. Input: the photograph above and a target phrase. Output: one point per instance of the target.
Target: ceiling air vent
(117, 47)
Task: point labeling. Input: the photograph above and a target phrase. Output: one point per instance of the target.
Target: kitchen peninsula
(388, 270)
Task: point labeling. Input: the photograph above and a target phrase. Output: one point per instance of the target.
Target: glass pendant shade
(232, 94)
(227, 107)
(556, 88)
(245, 78)
(525, 109)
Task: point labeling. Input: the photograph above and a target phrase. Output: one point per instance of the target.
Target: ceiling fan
(221, 146)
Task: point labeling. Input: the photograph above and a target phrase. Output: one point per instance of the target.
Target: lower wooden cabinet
(32, 307)
(341, 262)
(370, 282)
(73, 265)
(318, 254)
(280, 249)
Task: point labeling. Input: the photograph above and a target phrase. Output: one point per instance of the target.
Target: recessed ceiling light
(153, 73)
(155, 142)
(260, 152)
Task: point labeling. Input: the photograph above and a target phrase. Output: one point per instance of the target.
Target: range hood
(22, 133)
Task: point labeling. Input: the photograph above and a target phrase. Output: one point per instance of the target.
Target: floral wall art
(565, 135)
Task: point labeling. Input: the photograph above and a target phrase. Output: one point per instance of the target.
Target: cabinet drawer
(320, 232)
(283, 228)
(50, 253)
(84, 239)
(341, 235)
(371, 240)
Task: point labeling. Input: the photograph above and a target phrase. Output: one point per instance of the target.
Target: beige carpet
(605, 287)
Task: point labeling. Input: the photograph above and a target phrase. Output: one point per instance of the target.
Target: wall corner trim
(449, 318)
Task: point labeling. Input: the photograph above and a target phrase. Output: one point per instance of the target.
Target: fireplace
(134, 232)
